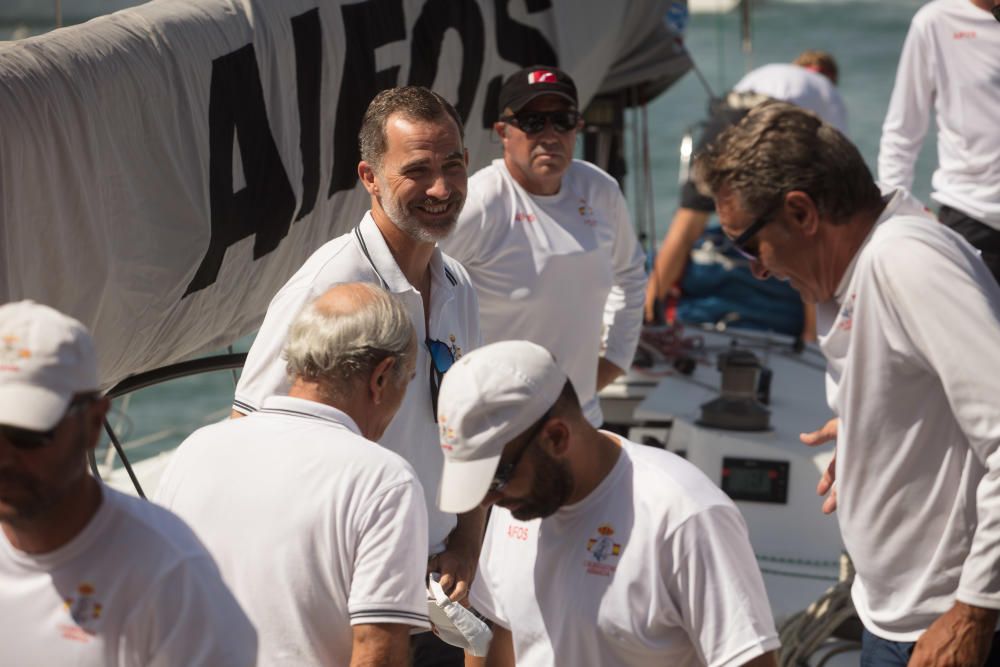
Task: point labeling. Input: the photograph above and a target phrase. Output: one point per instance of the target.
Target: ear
(802, 212)
(500, 128)
(366, 174)
(555, 437)
(466, 152)
(381, 378)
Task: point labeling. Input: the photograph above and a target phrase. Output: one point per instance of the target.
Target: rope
(801, 561)
(805, 633)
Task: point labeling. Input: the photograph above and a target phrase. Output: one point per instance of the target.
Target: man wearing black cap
(548, 242)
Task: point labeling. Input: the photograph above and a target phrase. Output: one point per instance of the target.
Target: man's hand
(457, 563)
(960, 637)
(457, 568)
(825, 434)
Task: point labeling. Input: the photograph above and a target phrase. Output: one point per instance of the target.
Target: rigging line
(648, 182)
(123, 421)
(236, 379)
(701, 77)
(632, 103)
(121, 455)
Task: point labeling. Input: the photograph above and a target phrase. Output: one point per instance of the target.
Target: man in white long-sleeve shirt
(909, 321)
(548, 243)
(951, 65)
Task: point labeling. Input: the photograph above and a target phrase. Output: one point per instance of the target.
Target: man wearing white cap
(90, 576)
(599, 551)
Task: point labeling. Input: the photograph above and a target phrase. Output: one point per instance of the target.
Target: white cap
(45, 359)
(489, 397)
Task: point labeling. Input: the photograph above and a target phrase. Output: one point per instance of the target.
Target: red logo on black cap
(541, 76)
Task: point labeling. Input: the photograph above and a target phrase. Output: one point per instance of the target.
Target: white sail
(164, 169)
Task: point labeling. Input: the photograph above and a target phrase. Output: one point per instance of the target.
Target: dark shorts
(426, 650)
(721, 119)
(982, 237)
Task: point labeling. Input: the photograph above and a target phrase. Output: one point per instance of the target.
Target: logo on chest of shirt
(587, 213)
(845, 320)
(524, 217)
(85, 611)
(604, 552)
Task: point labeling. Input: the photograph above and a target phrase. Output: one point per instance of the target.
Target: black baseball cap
(525, 85)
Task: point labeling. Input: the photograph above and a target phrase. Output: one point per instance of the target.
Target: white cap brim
(464, 483)
(32, 407)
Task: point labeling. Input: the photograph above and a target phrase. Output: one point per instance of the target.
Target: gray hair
(335, 347)
(411, 102)
(779, 148)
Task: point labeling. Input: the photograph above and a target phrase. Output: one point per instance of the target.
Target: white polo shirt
(134, 589)
(563, 271)
(912, 341)
(314, 527)
(654, 567)
(363, 256)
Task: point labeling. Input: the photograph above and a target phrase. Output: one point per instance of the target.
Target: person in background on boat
(909, 321)
(414, 166)
(90, 576)
(548, 242)
(950, 66)
(319, 532)
(811, 83)
(599, 551)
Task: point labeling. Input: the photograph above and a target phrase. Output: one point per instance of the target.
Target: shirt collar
(372, 244)
(300, 407)
(896, 202)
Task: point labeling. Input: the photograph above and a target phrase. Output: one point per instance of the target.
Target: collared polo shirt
(362, 255)
(314, 527)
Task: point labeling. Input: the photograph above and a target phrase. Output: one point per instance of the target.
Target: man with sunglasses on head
(413, 165)
(89, 576)
(909, 321)
(599, 551)
(548, 242)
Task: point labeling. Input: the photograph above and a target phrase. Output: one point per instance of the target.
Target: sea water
(865, 38)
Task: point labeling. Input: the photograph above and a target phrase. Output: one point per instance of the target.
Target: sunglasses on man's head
(26, 439)
(441, 360)
(533, 122)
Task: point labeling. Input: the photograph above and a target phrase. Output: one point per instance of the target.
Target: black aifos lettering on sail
(265, 207)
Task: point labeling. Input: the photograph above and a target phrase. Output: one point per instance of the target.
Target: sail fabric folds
(165, 169)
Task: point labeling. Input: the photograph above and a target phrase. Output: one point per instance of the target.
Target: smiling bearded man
(413, 165)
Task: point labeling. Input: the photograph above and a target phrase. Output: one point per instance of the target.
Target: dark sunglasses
(26, 439)
(533, 122)
(743, 244)
(506, 471)
(441, 360)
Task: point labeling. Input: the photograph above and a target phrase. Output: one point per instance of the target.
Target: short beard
(551, 487)
(411, 226)
(42, 499)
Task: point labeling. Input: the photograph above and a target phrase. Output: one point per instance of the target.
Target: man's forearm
(606, 373)
(468, 531)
